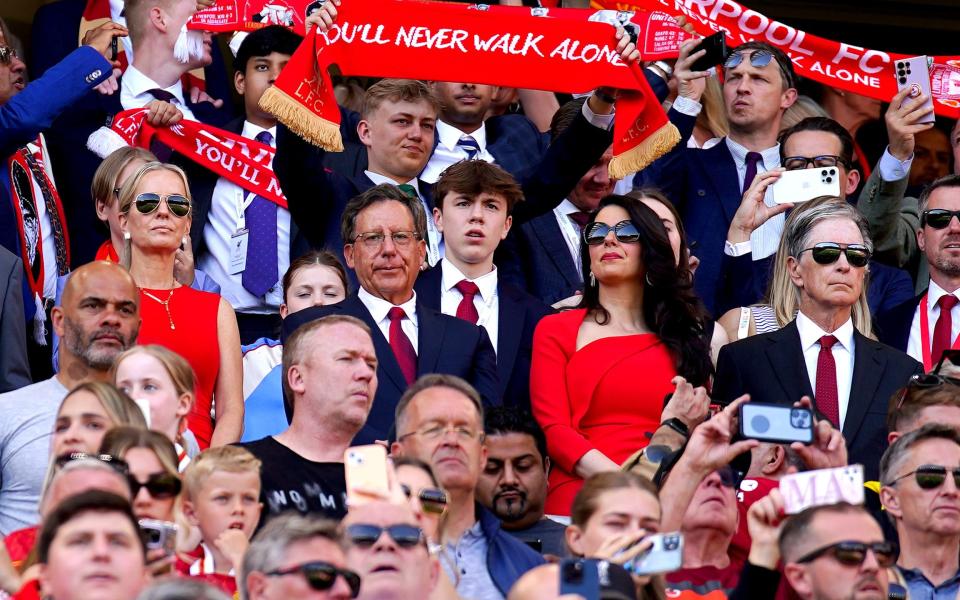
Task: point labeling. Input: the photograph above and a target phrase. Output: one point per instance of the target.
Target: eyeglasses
(435, 432)
(938, 218)
(625, 231)
(793, 163)
(431, 499)
(827, 253)
(730, 477)
(321, 576)
(148, 202)
(117, 463)
(930, 477)
(159, 485)
(365, 535)
(373, 240)
(925, 381)
(852, 554)
(7, 55)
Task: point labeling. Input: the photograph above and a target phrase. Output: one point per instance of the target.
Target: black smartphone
(776, 423)
(535, 545)
(579, 576)
(114, 48)
(716, 47)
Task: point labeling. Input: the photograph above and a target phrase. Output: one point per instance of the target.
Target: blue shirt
(469, 558)
(920, 587)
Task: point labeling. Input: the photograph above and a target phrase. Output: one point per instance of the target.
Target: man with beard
(939, 239)
(98, 319)
(922, 498)
(513, 484)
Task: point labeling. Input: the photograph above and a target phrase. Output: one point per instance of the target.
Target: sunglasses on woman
(365, 535)
(159, 485)
(148, 202)
(431, 499)
(930, 477)
(827, 253)
(321, 576)
(938, 218)
(625, 232)
(117, 463)
(852, 554)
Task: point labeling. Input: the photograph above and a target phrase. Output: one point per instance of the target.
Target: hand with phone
(711, 444)
(764, 522)
(690, 83)
(183, 264)
(101, 39)
(905, 119)
(624, 547)
(828, 449)
(753, 210)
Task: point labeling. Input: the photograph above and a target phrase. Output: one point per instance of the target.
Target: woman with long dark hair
(601, 372)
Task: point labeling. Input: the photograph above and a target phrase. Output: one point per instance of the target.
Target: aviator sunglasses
(432, 500)
(149, 202)
(827, 253)
(625, 231)
(852, 554)
(930, 477)
(321, 576)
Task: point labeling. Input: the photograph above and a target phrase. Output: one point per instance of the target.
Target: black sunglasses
(827, 253)
(730, 477)
(925, 381)
(159, 485)
(625, 231)
(930, 477)
(7, 54)
(117, 463)
(852, 554)
(793, 163)
(365, 535)
(432, 500)
(938, 218)
(321, 576)
(148, 202)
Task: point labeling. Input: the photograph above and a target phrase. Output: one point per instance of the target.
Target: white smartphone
(822, 486)
(366, 467)
(801, 185)
(665, 556)
(914, 73)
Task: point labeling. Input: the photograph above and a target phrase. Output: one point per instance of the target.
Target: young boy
(221, 499)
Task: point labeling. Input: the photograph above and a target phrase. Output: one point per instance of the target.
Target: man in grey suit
(14, 369)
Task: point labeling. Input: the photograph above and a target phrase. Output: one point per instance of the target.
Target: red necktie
(401, 346)
(942, 333)
(826, 393)
(467, 310)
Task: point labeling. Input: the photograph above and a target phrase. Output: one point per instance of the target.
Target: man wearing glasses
(836, 552)
(920, 474)
(384, 232)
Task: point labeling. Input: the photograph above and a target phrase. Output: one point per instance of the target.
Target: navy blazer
(893, 326)
(518, 316)
(535, 257)
(14, 367)
(770, 367)
(444, 345)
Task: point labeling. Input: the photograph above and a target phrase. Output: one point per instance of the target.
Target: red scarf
(242, 161)
(852, 68)
(448, 42)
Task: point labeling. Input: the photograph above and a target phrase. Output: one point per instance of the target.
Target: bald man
(98, 319)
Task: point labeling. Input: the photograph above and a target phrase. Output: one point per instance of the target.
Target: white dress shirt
(764, 239)
(934, 293)
(134, 87)
(570, 231)
(487, 301)
(434, 239)
(448, 152)
(379, 308)
(843, 356)
(227, 204)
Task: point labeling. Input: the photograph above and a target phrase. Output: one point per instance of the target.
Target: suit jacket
(14, 368)
(518, 316)
(444, 345)
(893, 326)
(770, 367)
(535, 257)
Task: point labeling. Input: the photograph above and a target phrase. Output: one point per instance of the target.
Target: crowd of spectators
(555, 362)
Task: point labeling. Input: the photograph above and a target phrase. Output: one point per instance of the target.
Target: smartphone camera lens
(799, 419)
(823, 173)
(671, 542)
(903, 80)
(760, 424)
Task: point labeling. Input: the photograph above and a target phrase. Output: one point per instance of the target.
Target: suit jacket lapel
(388, 362)
(867, 373)
(548, 232)
(789, 368)
(430, 330)
(719, 166)
(509, 328)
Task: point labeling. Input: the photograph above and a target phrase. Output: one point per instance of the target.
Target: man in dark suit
(472, 204)
(820, 354)
(384, 229)
(14, 369)
(254, 291)
(706, 185)
(939, 239)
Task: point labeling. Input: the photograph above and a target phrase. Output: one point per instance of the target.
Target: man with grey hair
(329, 378)
(440, 421)
(821, 354)
(920, 474)
(383, 231)
(181, 588)
(297, 557)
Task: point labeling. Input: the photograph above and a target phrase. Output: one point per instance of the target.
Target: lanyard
(243, 202)
(925, 348)
(488, 308)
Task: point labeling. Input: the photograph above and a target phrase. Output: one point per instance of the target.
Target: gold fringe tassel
(637, 158)
(316, 130)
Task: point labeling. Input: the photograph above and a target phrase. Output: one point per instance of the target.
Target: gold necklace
(165, 303)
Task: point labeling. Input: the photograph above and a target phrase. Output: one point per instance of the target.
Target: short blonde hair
(232, 459)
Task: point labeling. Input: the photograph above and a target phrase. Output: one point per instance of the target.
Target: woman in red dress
(601, 372)
(199, 326)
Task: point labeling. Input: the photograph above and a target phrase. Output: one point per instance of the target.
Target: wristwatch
(677, 425)
(666, 67)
